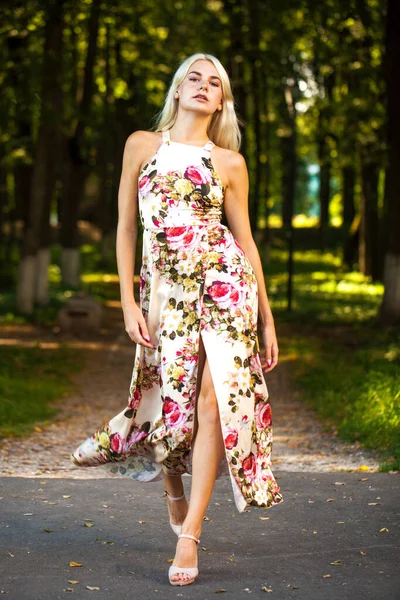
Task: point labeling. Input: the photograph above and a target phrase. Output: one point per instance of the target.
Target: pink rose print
(117, 443)
(182, 237)
(198, 175)
(145, 184)
(230, 437)
(135, 400)
(249, 467)
(224, 294)
(136, 436)
(174, 417)
(263, 415)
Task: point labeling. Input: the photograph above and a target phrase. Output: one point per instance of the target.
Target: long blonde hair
(223, 128)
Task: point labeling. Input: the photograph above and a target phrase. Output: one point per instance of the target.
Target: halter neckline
(167, 138)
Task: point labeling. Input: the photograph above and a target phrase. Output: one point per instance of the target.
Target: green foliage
(347, 369)
(33, 382)
(353, 384)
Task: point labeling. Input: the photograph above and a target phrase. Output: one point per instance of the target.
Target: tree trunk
(75, 170)
(348, 183)
(26, 283)
(369, 223)
(288, 146)
(390, 308)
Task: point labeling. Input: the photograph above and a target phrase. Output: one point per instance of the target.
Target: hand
(269, 360)
(135, 325)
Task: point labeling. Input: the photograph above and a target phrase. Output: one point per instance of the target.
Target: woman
(198, 401)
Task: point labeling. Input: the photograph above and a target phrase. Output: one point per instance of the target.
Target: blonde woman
(198, 401)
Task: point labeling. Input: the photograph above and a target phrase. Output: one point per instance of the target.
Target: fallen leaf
(384, 530)
(92, 588)
(331, 500)
(339, 483)
(64, 496)
(265, 589)
(337, 563)
(220, 591)
(206, 518)
(73, 581)
(48, 530)
(28, 514)
(68, 590)
(363, 479)
(88, 524)
(170, 560)
(373, 503)
(105, 506)
(204, 548)
(43, 483)
(311, 502)
(75, 564)
(326, 576)
(142, 522)
(294, 587)
(111, 543)
(264, 518)
(363, 468)
(11, 554)
(363, 553)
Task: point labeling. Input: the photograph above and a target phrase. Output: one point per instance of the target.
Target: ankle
(173, 486)
(191, 529)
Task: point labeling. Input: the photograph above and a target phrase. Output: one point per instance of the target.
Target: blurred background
(316, 85)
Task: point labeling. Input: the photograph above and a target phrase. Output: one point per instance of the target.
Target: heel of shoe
(175, 528)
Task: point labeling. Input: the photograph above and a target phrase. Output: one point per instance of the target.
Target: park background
(316, 86)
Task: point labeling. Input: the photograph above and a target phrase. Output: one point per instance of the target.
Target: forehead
(205, 67)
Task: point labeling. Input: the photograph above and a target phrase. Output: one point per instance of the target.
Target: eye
(215, 84)
(193, 78)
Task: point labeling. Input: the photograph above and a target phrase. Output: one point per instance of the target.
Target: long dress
(195, 280)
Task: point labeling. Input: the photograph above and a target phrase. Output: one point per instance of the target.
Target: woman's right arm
(127, 231)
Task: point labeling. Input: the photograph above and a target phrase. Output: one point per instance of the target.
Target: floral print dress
(195, 280)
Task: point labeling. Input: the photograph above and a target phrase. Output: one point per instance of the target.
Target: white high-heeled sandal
(191, 571)
(175, 528)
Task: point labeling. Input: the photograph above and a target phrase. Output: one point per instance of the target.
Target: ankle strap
(191, 537)
(171, 498)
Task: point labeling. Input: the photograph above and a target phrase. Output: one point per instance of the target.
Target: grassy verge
(345, 366)
(354, 387)
(32, 382)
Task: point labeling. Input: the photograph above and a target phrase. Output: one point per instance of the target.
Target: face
(201, 89)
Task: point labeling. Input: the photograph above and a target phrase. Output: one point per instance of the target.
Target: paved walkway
(334, 537)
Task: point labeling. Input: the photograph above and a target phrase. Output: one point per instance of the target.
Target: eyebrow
(211, 76)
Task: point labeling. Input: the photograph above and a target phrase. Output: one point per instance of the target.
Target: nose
(202, 84)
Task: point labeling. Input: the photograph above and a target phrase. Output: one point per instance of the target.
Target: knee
(207, 410)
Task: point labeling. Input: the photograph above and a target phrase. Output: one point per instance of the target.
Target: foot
(177, 509)
(185, 557)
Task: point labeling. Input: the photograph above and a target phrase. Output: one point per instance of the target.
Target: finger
(136, 336)
(144, 333)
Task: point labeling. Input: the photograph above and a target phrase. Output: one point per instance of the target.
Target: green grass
(345, 366)
(33, 382)
(353, 384)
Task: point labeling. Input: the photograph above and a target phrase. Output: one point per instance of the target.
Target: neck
(190, 128)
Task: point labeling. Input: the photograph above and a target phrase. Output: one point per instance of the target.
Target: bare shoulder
(229, 164)
(142, 140)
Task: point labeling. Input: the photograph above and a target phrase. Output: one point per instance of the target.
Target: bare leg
(208, 450)
(178, 509)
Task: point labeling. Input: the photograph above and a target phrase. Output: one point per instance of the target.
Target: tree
(390, 308)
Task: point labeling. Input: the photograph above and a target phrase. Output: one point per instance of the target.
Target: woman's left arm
(237, 214)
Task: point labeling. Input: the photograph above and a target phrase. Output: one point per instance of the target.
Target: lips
(201, 96)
